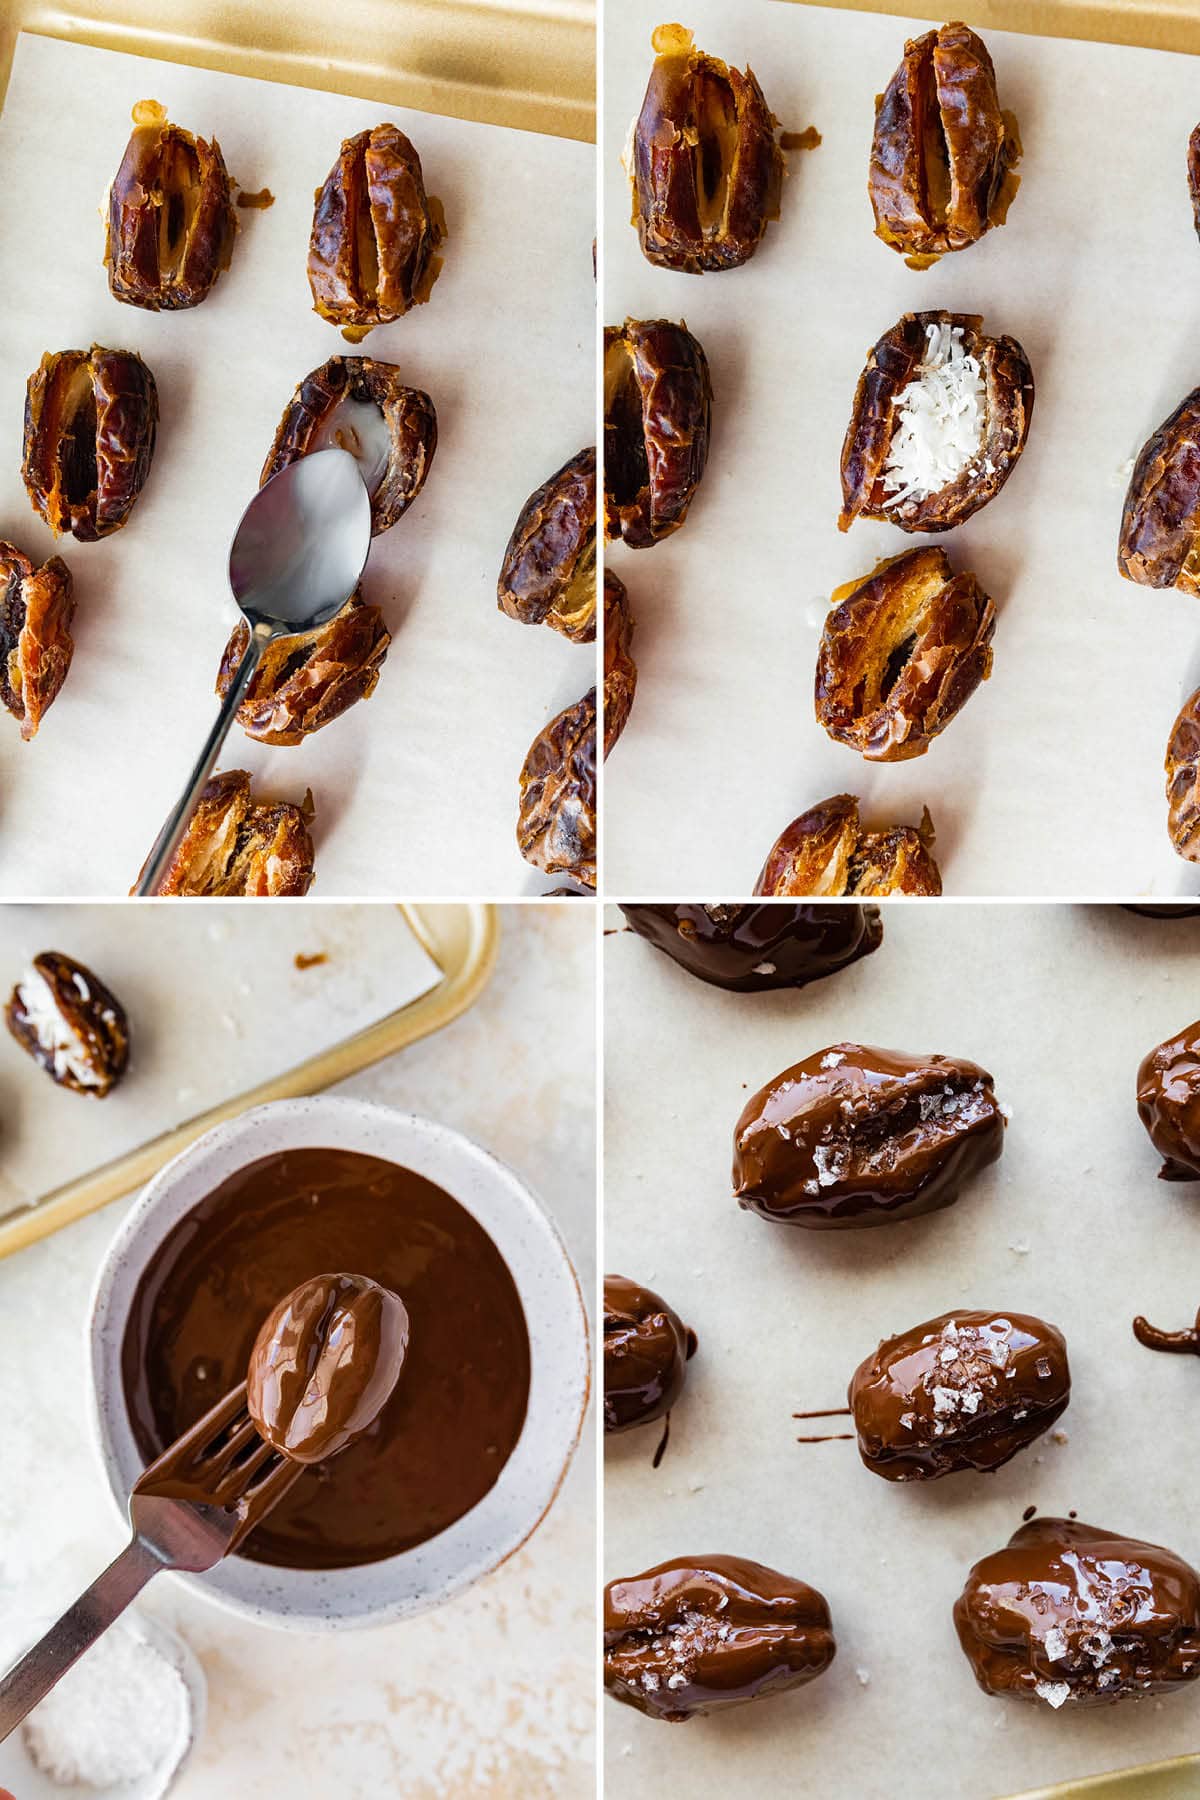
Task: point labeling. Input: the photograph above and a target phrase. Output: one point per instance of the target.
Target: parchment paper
(1050, 780)
(216, 1005)
(1060, 1004)
(416, 790)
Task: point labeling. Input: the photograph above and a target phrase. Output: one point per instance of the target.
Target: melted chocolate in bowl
(442, 1439)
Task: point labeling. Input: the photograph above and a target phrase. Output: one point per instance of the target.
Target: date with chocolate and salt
(856, 1136)
(827, 851)
(647, 1348)
(703, 1633)
(751, 948)
(71, 1024)
(376, 233)
(1069, 1614)
(620, 670)
(556, 821)
(1168, 1103)
(90, 422)
(548, 575)
(235, 845)
(36, 646)
(171, 222)
(657, 415)
(966, 1390)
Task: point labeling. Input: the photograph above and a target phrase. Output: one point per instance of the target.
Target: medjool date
(90, 422)
(620, 670)
(657, 413)
(750, 948)
(171, 222)
(235, 845)
(36, 646)
(303, 682)
(548, 575)
(556, 826)
(1183, 780)
(826, 851)
(71, 1024)
(375, 233)
(1160, 526)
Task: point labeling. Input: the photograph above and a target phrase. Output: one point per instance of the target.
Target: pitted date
(1160, 525)
(548, 575)
(556, 825)
(826, 851)
(647, 1348)
(751, 948)
(967, 1390)
(90, 422)
(71, 1024)
(1183, 780)
(700, 1634)
(859, 1136)
(1168, 1103)
(373, 253)
(235, 845)
(36, 646)
(942, 149)
(620, 670)
(1069, 1614)
(304, 682)
(329, 409)
(706, 170)
(171, 222)
(657, 414)
(901, 654)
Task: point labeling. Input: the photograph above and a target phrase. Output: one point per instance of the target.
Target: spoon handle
(166, 843)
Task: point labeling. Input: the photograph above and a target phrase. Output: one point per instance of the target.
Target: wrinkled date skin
(859, 1136)
(1160, 525)
(1193, 174)
(751, 948)
(71, 1024)
(319, 416)
(375, 235)
(325, 1364)
(826, 851)
(902, 654)
(234, 845)
(967, 1390)
(171, 221)
(1070, 1614)
(1168, 1103)
(548, 575)
(556, 826)
(647, 1349)
(702, 1633)
(90, 423)
(942, 147)
(1183, 780)
(657, 416)
(36, 646)
(707, 172)
(897, 360)
(620, 670)
(304, 682)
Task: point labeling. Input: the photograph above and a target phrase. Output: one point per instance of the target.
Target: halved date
(620, 670)
(901, 653)
(1183, 780)
(941, 414)
(356, 404)
(36, 646)
(826, 851)
(237, 846)
(657, 414)
(556, 825)
(375, 234)
(303, 682)
(90, 422)
(70, 1023)
(1160, 526)
(171, 222)
(548, 575)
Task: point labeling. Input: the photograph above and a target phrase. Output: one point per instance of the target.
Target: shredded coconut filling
(938, 421)
(55, 1037)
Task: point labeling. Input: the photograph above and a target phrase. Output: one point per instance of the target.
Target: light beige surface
(416, 790)
(1071, 1224)
(1050, 780)
(490, 1697)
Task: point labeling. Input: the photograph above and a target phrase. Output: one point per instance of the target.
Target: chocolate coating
(702, 1633)
(750, 948)
(325, 1364)
(647, 1348)
(860, 1136)
(1168, 1103)
(1072, 1614)
(1182, 911)
(966, 1390)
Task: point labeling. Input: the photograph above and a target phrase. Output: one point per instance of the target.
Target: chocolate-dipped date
(325, 1364)
(702, 1633)
(647, 1348)
(171, 222)
(90, 422)
(1070, 1614)
(1168, 1103)
(1159, 545)
(859, 1136)
(750, 948)
(657, 414)
(966, 1390)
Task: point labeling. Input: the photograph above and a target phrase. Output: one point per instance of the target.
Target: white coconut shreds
(53, 1034)
(939, 418)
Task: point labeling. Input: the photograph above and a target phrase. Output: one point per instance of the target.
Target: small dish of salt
(120, 1725)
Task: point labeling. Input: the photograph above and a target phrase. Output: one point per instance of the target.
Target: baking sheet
(222, 980)
(1050, 780)
(416, 789)
(1060, 1004)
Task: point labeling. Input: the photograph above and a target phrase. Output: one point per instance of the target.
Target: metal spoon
(296, 558)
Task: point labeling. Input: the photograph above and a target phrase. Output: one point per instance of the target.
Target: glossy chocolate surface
(702, 1633)
(966, 1390)
(646, 1352)
(860, 1136)
(1182, 911)
(443, 1437)
(749, 948)
(1168, 1103)
(1069, 1614)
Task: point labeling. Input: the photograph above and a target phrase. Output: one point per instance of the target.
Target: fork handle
(65, 1642)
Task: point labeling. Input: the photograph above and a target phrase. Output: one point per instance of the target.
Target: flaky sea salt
(120, 1714)
(1054, 1693)
(1056, 1644)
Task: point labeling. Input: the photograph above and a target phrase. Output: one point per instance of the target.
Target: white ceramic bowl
(396, 1586)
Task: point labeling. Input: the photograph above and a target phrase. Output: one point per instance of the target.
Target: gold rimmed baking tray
(460, 938)
(1178, 1779)
(1151, 24)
